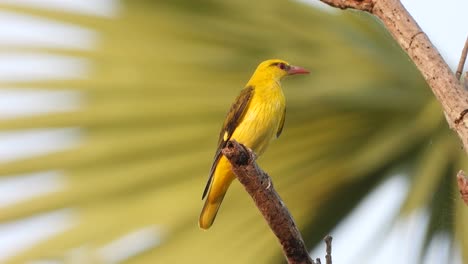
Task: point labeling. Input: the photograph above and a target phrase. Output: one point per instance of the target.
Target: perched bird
(255, 118)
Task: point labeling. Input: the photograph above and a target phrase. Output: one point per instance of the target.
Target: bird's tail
(210, 209)
(217, 188)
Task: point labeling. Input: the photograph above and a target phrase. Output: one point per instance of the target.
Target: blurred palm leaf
(163, 76)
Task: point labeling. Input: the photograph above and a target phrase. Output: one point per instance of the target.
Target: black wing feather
(233, 118)
(281, 125)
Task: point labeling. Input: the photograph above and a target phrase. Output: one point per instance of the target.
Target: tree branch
(463, 186)
(328, 257)
(462, 61)
(260, 187)
(466, 81)
(404, 29)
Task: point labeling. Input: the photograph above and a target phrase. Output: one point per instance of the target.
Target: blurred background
(110, 112)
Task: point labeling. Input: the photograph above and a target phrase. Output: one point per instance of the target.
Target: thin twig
(258, 184)
(463, 186)
(328, 243)
(461, 63)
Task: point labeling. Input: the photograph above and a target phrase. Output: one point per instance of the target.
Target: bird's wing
(234, 117)
(281, 125)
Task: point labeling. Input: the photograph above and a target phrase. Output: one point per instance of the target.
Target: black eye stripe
(284, 66)
(281, 65)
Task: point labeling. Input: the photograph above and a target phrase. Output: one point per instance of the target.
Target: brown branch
(463, 186)
(260, 187)
(404, 29)
(461, 63)
(328, 257)
(466, 80)
(364, 5)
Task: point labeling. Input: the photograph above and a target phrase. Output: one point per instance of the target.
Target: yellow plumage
(255, 118)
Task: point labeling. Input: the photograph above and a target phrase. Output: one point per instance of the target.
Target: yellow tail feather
(218, 186)
(209, 211)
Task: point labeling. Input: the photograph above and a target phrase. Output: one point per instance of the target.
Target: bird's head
(276, 69)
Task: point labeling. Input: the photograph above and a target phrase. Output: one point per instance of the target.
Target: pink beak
(297, 70)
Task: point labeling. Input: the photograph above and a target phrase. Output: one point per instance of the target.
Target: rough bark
(260, 187)
(463, 186)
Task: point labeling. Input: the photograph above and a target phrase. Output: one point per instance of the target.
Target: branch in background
(404, 29)
(461, 63)
(363, 5)
(260, 187)
(461, 177)
(463, 186)
(466, 80)
(328, 257)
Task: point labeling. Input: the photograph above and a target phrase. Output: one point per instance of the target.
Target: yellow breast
(262, 118)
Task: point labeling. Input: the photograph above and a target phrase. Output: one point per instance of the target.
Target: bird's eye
(282, 66)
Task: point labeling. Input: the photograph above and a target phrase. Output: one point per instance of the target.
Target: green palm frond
(160, 81)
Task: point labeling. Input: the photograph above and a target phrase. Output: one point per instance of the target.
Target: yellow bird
(255, 118)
